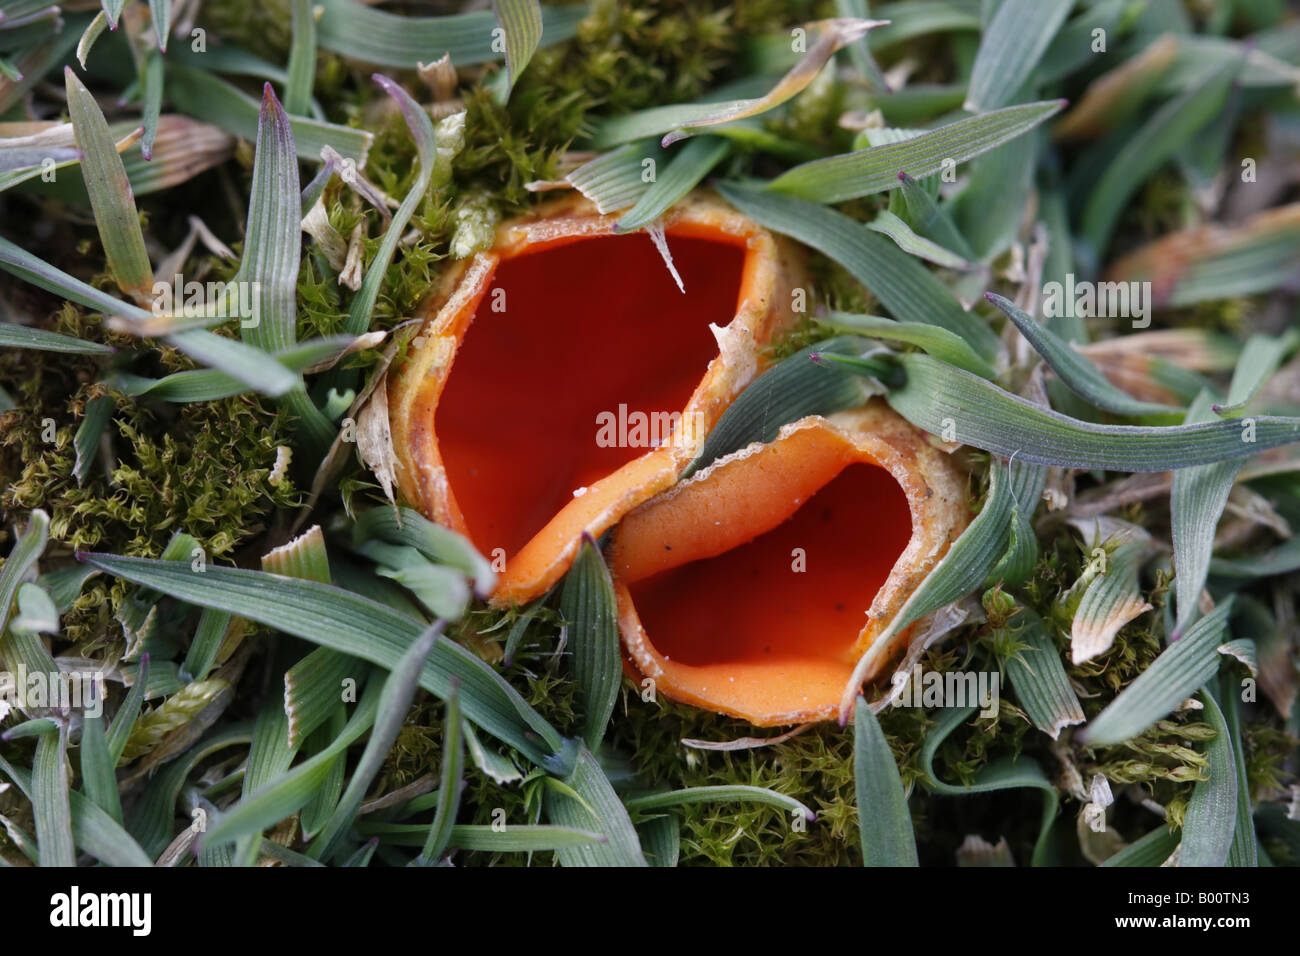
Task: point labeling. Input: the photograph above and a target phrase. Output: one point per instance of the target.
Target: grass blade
(596, 809)
(618, 179)
(272, 245)
(1212, 811)
(828, 37)
(1152, 144)
(119, 732)
(683, 174)
(1176, 674)
(24, 337)
(998, 775)
(302, 60)
(1038, 676)
(1075, 371)
(92, 829)
(644, 803)
(1151, 850)
(884, 824)
(788, 391)
(906, 288)
(936, 341)
(451, 783)
(1011, 46)
(50, 802)
(417, 121)
(867, 171)
(213, 100)
(588, 606)
(1196, 502)
(386, 39)
(997, 421)
(97, 764)
(394, 703)
(348, 622)
(29, 547)
(522, 22)
(111, 198)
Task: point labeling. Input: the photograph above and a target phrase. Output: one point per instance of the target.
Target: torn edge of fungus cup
(562, 384)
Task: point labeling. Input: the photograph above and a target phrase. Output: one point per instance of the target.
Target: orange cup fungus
(742, 589)
(562, 384)
(564, 378)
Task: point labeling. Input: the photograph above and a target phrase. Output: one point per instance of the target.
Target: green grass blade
(24, 337)
(1078, 374)
(620, 178)
(26, 551)
(661, 840)
(1196, 502)
(1000, 774)
(1038, 676)
(489, 839)
(826, 38)
(348, 622)
(206, 643)
(936, 341)
(931, 221)
(884, 823)
(1150, 850)
(395, 701)
(990, 418)
(374, 36)
(161, 12)
(683, 174)
(451, 782)
(213, 100)
(1245, 842)
(50, 802)
(93, 830)
(151, 109)
(1174, 676)
(276, 797)
(788, 391)
(97, 766)
(152, 819)
(119, 732)
(406, 526)
(1152, 144)
(906, 288)
(888, 224)
(1012, 45)
(1211, 816)
(272, 243)
(111, 198)
(522, 22)
(591, 618)
(596, 809)
(86, 440)
(867, 171)
(302, 60)
(417, 121)
(644, 803)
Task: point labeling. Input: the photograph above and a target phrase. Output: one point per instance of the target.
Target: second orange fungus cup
(742, 589)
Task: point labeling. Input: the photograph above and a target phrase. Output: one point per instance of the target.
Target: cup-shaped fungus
(563, 377)
(742, 589)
